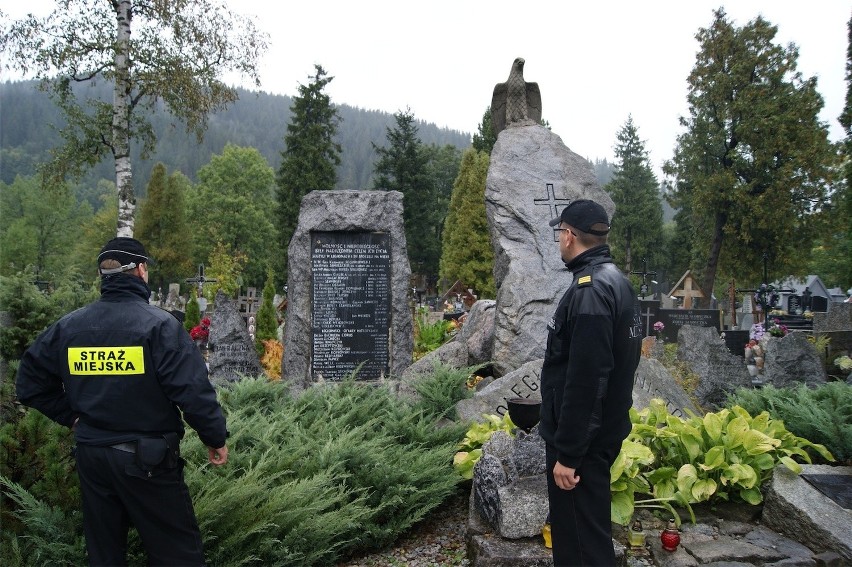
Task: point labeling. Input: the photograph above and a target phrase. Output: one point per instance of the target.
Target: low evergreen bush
(822, 415)
(311, 480)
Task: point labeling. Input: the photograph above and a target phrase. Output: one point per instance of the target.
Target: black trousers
(116, 494)
(580, 523)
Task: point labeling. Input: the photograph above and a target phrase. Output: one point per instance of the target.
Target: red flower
(201, 331)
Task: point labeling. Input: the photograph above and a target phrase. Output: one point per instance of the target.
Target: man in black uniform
(593, 348)
(123, 374)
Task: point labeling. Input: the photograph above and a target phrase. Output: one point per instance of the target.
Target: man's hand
(565, 477)
(217, 457)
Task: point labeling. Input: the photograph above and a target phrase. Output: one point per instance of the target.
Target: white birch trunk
(121, 121)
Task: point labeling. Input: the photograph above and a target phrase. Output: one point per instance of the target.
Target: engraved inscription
(350, 304)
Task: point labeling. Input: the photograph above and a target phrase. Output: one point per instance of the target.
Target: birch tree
(156, 54)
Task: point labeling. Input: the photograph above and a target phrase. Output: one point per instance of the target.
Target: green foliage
(638, 217)
(445, 386)
(40, 226)
(467, 254)
(403, 165)
(191, 43)
(310, 157)
(470, 448)
(226, 267)
(233, 205)
(267, 320)
(163, 228)
(429, 336)
(754, 164)
(192, 316)
(485, 138)
(310, 481)
(726, 455)
(31, 310)
(822, 414)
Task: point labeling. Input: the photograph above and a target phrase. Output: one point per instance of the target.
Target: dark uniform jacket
(593, 347)
(125, 368)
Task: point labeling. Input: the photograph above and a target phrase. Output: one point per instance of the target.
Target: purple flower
(659, 326)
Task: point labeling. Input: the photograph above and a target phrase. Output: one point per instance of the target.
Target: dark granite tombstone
(348, 289)
(794, 305)
(351, 304)
(232, 354)
(819, 304)
(674, 319)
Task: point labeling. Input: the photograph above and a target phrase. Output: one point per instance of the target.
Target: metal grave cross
(643, 290)
(552, 202)
(200, 280)
(647, 315)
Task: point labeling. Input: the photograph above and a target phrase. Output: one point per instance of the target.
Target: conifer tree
(310, 157)
(754, 164)
(485, 138)
(467, 254)
(267, 321)
(162, 227)
(638, 220)
(192, 315)
(404, 166)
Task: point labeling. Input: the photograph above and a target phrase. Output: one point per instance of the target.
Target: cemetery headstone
(347, 295)
(231, 353)
(531, 178)
(674, 319)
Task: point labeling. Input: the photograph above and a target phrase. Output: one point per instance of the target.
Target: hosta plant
(470, 449)
(726, 455)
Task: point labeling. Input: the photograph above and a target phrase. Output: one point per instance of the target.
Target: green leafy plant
(429, 336)
(822, 414)
(470, 449)
(726, 455)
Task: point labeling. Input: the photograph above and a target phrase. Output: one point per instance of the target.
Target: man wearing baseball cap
(593, 347)
(124, 375)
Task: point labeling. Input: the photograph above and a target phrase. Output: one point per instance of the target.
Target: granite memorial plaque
(351, 304)
(674, 319)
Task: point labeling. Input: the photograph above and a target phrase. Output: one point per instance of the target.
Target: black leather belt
(126, 447)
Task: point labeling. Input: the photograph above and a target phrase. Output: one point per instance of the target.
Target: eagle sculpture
(515, 100)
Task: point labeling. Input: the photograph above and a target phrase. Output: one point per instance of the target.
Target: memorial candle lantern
(670, 537)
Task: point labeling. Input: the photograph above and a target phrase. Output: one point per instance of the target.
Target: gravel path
(437, 540)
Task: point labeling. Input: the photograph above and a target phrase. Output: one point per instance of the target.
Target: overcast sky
(595, 62)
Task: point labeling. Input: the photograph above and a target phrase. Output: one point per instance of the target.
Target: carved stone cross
(553, 202)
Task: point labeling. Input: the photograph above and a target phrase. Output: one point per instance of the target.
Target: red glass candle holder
(670, 537)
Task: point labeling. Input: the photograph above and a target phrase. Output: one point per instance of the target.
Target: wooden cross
(643, 290)
(200, 280)
(247, 302)
(553, 202)
(688, 292)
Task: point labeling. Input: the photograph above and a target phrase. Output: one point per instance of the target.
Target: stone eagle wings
(515, 100)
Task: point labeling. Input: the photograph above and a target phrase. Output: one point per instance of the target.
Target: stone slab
(799, 511)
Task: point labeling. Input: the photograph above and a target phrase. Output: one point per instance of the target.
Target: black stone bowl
(524, 412)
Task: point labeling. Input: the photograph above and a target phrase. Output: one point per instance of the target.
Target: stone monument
(348, 306)
(232, 354)
(531, 178)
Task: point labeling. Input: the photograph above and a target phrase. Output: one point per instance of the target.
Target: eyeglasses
(565, 229)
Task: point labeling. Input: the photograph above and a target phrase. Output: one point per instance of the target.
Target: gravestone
(652, 380)
(794, 305)
(674, 319)
(347, 296)
(231, 355)
(531, 178)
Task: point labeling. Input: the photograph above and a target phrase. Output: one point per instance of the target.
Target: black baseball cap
(583, 214)
(128, 251)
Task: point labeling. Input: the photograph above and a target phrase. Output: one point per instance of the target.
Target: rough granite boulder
(719, 372)
(525, 382)
(477, 332)
(531, 178)
(791, 360)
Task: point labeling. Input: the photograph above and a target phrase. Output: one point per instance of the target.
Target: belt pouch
(150, 452)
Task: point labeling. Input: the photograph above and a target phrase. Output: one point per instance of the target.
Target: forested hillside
(29, 123)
